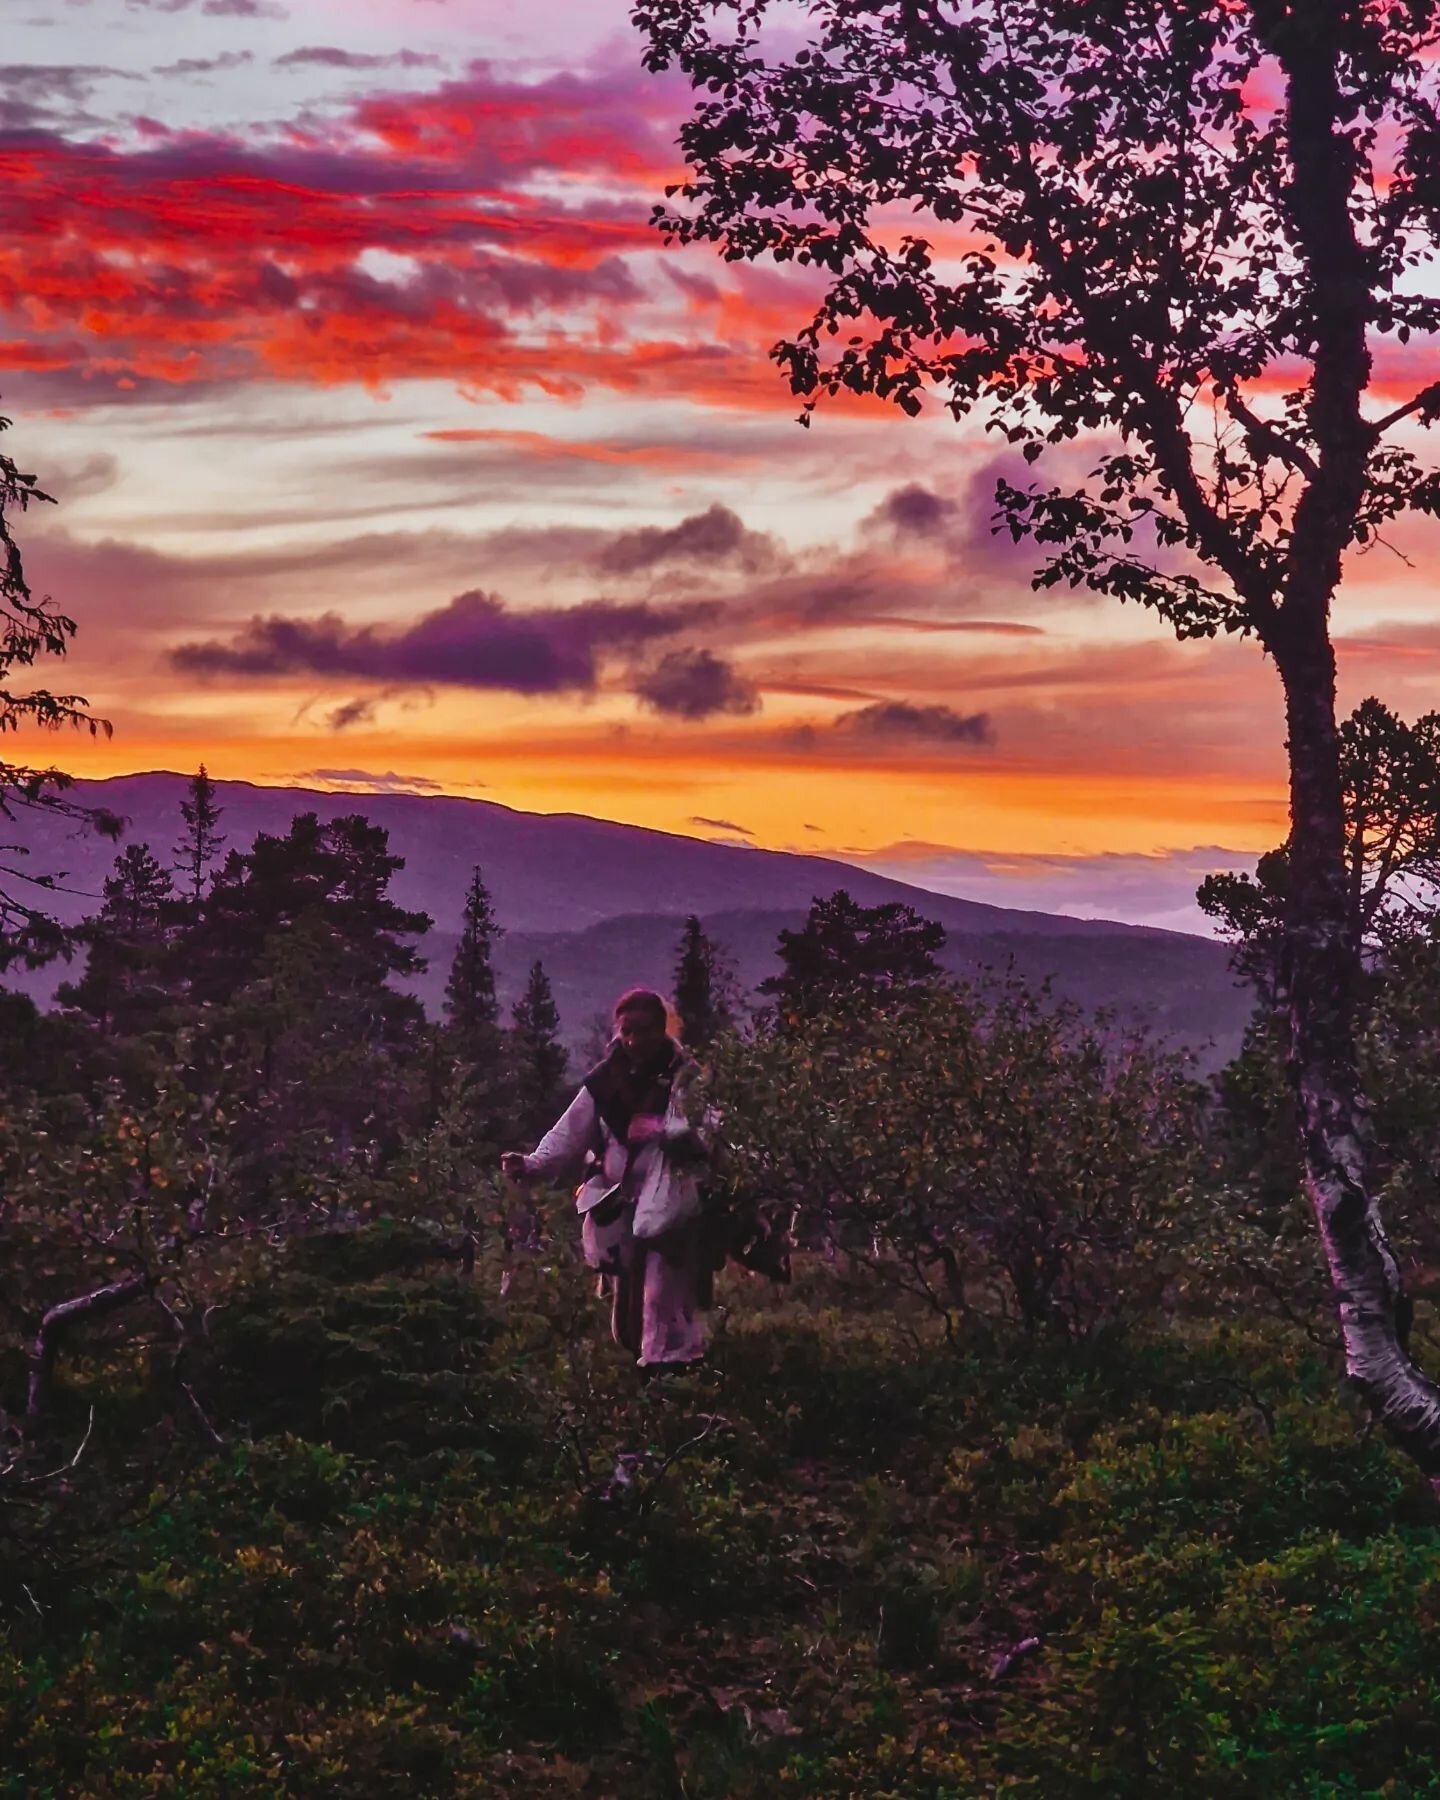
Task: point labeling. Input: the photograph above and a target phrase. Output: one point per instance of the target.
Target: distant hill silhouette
(602, 904)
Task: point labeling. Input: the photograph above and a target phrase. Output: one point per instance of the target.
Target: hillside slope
(602, 904)
(546, 872)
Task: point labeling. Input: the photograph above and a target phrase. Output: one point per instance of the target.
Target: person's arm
(565, 1143)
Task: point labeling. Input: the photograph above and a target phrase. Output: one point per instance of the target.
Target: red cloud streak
(518, 211)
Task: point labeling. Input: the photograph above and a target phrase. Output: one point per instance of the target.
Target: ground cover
(451, 1546)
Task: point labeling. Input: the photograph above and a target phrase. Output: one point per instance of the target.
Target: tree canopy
(847, 953)
(1069, 219)
(1186, 240)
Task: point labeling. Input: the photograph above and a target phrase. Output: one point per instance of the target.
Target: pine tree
(31, 629)
(200, 845)
(343, 868)
(850, 953)
(471, 1010)
(126, 983)
(538, 1058)
(702, 988)
(297, 959)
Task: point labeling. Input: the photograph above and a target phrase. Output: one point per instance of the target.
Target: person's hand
(644, 1128)
(512, 1165)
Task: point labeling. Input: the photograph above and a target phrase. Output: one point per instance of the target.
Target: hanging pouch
(605, 1235)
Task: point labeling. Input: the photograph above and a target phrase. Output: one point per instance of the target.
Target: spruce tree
(299, 958)
(702, 984)
(200, 845)
(537, 1056)
(471, 1010)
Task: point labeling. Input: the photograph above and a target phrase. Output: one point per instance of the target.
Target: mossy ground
(454, 1547)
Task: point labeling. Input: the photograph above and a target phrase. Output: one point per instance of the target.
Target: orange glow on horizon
(1000, 809)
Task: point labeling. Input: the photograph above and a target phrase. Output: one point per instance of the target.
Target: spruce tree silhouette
(537, 1057)
(702, 988)
(201, 843)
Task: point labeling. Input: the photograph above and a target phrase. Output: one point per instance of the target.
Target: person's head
(640, 1022)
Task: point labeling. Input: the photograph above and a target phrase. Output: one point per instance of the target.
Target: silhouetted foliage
(537, 1057)
(1390, 773)
(340, 870)
(31, 629)
(848, 952)
(202, 841)
(130, 975)
(703, 988)
(472, 1013)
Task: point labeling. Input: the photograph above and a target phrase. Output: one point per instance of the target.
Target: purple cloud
(207, 65)
(215, 9)
(330, 56)
(34, 95)
(244, 9)
(475, 642)
(720, 825)
(359, 711)
(915, 509)
(934, 724)
(694, 684)
(715, 535)
(388, 783)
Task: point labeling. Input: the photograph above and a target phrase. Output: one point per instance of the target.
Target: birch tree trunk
(1318, 996)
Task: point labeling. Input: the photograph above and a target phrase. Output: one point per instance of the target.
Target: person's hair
(641, 999)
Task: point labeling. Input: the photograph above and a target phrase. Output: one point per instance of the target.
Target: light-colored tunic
(649, 1252)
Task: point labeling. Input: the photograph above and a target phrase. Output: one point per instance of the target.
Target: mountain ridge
(602, 904)
(329, 803)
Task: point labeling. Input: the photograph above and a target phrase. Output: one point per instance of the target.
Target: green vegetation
(451, 1547)
(1039, 1479)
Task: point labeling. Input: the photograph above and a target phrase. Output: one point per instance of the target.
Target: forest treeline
(232, 1064)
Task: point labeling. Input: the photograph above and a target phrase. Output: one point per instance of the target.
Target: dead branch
(45, 1345)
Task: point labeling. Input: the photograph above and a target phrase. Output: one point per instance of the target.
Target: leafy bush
(996, 1151)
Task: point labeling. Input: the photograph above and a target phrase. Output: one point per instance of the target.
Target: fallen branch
(45, 1345)
(1016, 1654)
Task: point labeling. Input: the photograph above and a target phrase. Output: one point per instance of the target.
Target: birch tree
(1195, 234)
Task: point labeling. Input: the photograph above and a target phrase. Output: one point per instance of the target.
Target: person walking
(639, 1204)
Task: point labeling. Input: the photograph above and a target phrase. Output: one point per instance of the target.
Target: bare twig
(64, 1468)
(647, 1499)
(1016, 1654)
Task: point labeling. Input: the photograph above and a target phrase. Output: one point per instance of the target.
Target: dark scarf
(620, 1091)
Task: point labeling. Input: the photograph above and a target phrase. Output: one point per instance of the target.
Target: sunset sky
(393, 449)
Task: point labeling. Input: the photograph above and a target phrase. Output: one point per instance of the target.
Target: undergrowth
(452, 1547)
